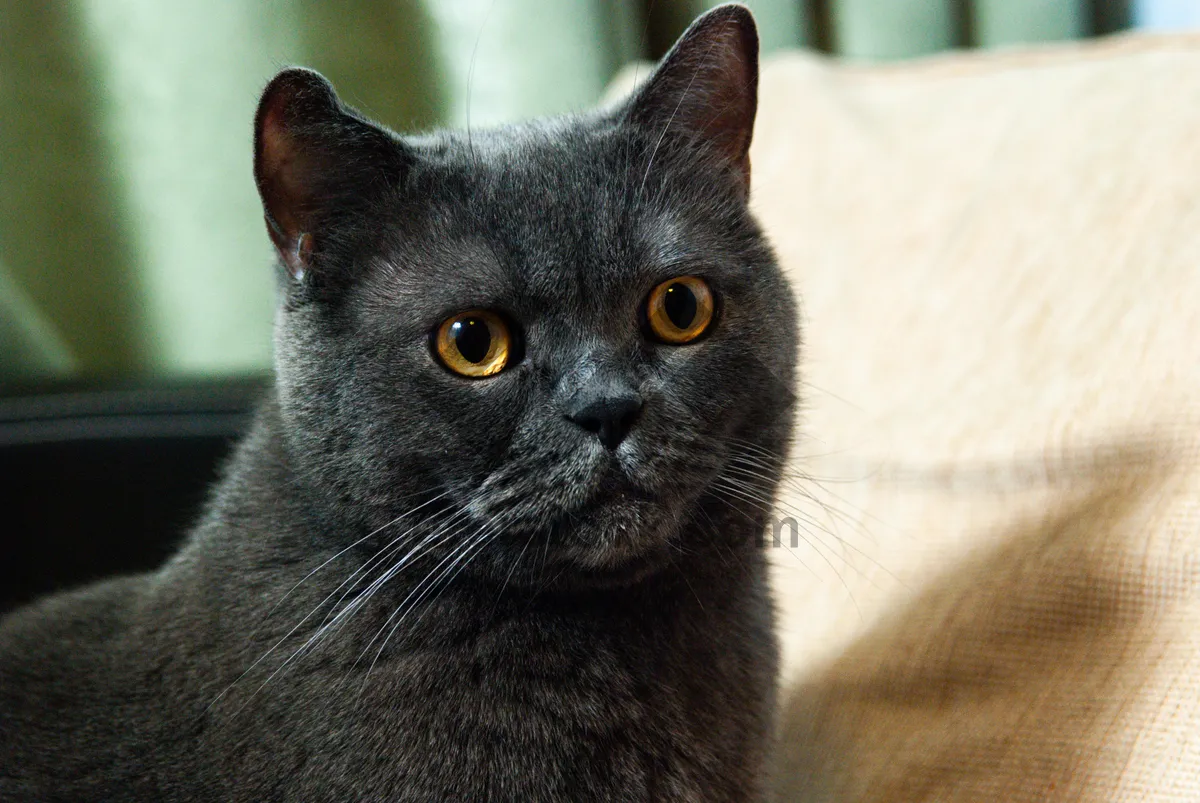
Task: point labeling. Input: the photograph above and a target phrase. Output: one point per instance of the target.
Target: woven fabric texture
(993, 591)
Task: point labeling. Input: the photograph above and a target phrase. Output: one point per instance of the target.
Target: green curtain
(131, 238)
(131, 241)
(34, 349)
(1006, 22)
(890, 29)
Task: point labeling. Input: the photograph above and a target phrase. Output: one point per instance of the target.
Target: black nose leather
(610, 415)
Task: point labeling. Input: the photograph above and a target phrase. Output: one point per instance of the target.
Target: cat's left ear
(315, 162)
(706, 89)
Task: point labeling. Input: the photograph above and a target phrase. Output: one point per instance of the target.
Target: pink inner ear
(289, 159)
(311, 154)
(283, 186)
(272, 126)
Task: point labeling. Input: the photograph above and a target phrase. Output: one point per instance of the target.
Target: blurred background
(131, 240)
(136, 290)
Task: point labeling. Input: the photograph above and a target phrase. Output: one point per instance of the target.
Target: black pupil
(679, 302)
(473, 339)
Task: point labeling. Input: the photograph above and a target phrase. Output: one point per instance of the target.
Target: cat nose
(609, 415)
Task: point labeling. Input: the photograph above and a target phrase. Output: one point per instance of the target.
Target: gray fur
(610, 640)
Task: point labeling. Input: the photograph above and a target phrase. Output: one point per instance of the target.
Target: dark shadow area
(96, 483)
(1110, 16)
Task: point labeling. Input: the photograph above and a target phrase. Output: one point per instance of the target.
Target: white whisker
(319, 605)
(482, 535)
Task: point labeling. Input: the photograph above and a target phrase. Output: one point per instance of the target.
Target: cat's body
(571, 602)
(649, 693)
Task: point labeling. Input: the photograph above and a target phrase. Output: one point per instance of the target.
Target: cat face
(552, 334)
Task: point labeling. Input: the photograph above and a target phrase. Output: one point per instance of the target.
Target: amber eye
(474, 344)
(680, 309)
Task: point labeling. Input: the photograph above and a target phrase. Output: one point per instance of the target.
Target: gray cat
(495, 532)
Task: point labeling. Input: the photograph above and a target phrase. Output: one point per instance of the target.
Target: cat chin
(617, 534)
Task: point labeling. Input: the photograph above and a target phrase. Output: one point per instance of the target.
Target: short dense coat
(563, 619)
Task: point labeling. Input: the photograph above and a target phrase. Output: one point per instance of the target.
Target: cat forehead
(582, 165)
(529, 141)
(445, 269)
(545, 213)
(544, 194)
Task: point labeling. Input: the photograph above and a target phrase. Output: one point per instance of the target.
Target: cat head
(553, 333)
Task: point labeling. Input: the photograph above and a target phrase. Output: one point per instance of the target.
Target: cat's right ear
(314, 160)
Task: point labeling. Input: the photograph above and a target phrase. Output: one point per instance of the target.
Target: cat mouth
(602, 507)
(614, 493)
(616, 509)
(615, 485)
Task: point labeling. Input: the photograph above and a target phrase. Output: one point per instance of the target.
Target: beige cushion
(998, 260)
